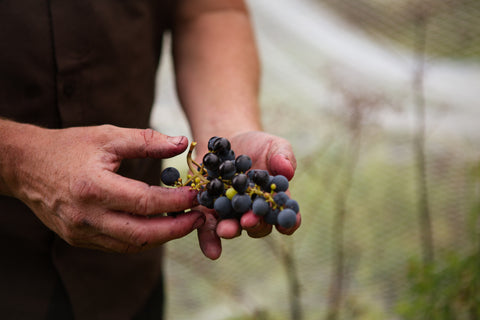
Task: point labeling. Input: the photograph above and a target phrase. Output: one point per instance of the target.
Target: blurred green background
(380, 100)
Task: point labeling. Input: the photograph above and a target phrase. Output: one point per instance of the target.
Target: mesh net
(380, 102)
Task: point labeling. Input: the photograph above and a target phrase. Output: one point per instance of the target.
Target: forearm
(217, 72)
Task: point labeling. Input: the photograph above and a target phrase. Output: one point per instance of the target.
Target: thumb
(146, 143)
(282, 161)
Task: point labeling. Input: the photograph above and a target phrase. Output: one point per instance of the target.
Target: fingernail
(175, 140)
(198, 223)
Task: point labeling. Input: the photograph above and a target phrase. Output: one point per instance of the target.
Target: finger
(89, 233)
(254, 225)
(106, 243)
(291, 230)
(209, 241)
(229, 229)
(282, 162)
(143, 143)
(119, 193)
(249, 220)
(138, 232)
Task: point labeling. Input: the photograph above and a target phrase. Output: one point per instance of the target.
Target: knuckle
(79, 222)
(85, 190)
(107, 128)
(103, 133)
(74, 229)
(142, 204)
(138, 239)
(148, 136)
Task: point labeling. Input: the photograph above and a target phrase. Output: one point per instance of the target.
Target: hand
(67, 177)
(267, 152)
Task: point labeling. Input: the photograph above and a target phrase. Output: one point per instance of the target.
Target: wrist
(15, 139)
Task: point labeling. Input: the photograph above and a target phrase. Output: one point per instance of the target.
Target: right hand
(67, 177)
(268, 152)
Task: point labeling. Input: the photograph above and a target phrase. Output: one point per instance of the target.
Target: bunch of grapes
(228, 185)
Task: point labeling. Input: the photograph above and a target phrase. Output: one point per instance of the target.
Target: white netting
(338, 82)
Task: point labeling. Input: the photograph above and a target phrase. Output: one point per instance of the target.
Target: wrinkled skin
(67, 177)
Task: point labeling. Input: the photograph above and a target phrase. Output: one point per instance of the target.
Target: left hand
(267, 152)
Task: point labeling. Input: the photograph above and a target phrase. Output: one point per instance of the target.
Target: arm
(217, 73)
(67, 178)
(217, 68)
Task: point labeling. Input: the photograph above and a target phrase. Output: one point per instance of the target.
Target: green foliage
(448, 291)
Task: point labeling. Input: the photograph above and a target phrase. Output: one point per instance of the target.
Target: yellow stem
(191, 165)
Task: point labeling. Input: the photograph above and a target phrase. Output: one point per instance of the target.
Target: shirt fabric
(67, 63)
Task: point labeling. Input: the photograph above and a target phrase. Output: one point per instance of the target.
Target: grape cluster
(228, 185)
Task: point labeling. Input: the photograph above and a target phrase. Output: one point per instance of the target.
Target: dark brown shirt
(70, 63)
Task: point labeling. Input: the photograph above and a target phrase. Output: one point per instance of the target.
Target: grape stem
(268, 196)
(192, 164)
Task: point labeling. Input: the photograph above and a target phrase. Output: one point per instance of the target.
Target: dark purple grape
(230, 155)
(211, 161)
(287, 218)
(205, 199)
(221, 145)
(268, 187)
(260, 207)
(261, 178)
(223, 206)
(169, 176)
(271, 216)
(215, 187)
(212, 174)
(240, 183)
(211, 142)
(281, 198)
(292, 204)
(281, 183)
(243, 163)
(227, 169)
(241, 203)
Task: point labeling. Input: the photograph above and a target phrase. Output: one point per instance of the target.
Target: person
(80, 206)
